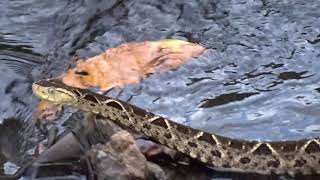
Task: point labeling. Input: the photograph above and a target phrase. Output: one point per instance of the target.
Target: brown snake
(218, 152)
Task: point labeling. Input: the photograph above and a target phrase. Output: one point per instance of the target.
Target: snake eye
(50, 90)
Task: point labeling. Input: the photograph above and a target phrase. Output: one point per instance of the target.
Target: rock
(156, 172)
(149, 148)
(93, 130)
(118, 159)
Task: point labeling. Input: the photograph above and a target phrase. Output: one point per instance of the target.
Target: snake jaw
(55, 95)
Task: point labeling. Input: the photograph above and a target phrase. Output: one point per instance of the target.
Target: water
(259, 80)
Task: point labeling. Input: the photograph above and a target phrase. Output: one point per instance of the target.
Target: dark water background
(259, 80)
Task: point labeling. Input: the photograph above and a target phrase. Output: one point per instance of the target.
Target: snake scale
(220, 153)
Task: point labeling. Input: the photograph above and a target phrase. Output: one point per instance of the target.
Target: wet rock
(119, 159)
(156, 172)
(96, 129)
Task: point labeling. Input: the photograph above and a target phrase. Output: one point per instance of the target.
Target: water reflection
(224, 99)
(292, 75)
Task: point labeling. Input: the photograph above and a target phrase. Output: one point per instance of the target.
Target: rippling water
(259, 80)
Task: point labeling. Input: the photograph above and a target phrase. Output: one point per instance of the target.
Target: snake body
(221, 153)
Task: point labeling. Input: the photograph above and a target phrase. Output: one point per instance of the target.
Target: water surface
(259, 80)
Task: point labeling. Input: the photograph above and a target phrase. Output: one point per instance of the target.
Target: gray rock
(118, 159)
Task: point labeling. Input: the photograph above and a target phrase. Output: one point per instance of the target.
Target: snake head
(52, 93)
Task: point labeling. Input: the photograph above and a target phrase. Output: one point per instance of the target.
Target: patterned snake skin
(221, 153)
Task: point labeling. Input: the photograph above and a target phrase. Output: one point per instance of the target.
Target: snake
(218, 152)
